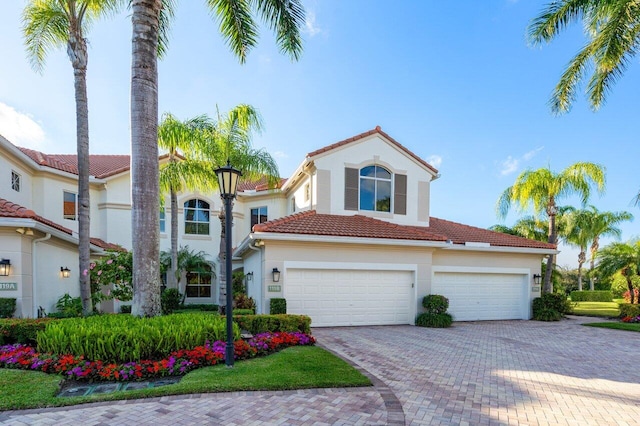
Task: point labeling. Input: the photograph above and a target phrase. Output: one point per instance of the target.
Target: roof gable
(364, 135)
(100, 166)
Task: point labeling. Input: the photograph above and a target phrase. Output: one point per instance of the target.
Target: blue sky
(455, 82)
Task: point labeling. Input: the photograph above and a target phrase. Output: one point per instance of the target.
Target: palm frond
(45, 26)
(236, 25)
(286, 18)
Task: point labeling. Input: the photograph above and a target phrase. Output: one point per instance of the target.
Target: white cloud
(310, 26)
(280, 154)
(512, 164)
(435, 161)
(509, 166)
(20, 129)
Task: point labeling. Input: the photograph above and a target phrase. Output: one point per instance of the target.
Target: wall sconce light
(537, 279)
(66, 272)
(5, 266)
(275, 274)
(249, 276)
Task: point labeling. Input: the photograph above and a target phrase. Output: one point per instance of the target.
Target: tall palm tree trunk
(581, 260)
(77, 52)
(172, 278)
(594, 251)
(551, 212)
(144, 158)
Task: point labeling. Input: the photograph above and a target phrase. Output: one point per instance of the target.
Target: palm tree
(542, 188)
(611, 27)
(579, 235)
(48, 24)
(238, 27)
(180, 172)
(623, 258)
(228, 140)
(604, 224)
(527, 227)
(186, 261)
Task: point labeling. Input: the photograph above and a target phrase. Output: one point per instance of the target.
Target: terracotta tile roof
(379, 131)
(311, 223)
(357, 226)
(460, 234)
(100, 166)
(13, 210)
(258, 185)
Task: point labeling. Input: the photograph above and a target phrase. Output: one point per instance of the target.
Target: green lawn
(297, 367)
(596, 309)
(616, 325)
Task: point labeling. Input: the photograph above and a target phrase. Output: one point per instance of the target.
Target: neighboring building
(349, 232)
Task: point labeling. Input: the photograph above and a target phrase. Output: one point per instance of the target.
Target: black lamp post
(228, 184)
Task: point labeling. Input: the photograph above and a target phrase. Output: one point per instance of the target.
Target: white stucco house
(349, 235)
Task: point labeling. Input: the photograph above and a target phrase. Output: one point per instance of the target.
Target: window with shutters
(375, 189)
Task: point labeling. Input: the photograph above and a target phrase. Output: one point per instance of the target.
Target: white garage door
(482, 296)
(334, 297)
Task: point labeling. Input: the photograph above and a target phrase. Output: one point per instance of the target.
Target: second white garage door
(338, 297)
(483, 296)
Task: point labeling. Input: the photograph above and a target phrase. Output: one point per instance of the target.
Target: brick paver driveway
(501, 372)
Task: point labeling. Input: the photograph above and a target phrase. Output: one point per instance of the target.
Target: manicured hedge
(200, 307)
(591, 296)
(18, 330)
(255, 324)
(550, 307)
(277, 305)
(629, 310)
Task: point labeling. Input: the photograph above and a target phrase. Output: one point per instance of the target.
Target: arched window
(375, 189)
(196, 217)
(199, 282)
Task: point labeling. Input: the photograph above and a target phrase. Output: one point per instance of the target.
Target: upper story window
(162, 220)
(375, 189)
(196, 217)
(70, 205)
(15, 181)
(258, 215)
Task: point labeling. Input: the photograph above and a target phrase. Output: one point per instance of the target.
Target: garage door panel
(483, 296)
(349, 297)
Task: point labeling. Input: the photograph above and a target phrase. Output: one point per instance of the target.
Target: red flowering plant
(178, 363)
(630, 319)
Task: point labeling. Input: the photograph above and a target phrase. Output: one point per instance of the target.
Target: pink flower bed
(178, 363)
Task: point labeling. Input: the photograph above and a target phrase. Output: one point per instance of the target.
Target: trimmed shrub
(125, 338)
(591, 296)
(170, 300)
(277, 306)
(243, 312)
(427, 319)
(255, 324)
(551, 307)
(629, 310)
(7, 307)
(200, 307)
(125, 309)
(435, 303)
(18, 330)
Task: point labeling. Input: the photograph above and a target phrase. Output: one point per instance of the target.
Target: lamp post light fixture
(228, 183)
(66, 272)
(275, 275)
(537, 279)
(5, 267)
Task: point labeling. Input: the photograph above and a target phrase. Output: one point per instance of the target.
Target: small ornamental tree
(115, 269)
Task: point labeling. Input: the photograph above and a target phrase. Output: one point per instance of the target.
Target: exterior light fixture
(5, 267)
(249, 276)
(65, 272)
(537, 279)
(275, 275)
(228, 184)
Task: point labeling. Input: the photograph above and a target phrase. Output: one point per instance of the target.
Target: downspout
(252, 247)
(34, 285)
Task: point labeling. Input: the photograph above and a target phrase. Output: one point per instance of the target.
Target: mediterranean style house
(347, 239)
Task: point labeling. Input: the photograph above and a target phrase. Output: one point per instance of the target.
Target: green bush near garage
(591, 296)
(551, 307)
(436, 315)
(277, 306)
(7, 307)
(255, 324)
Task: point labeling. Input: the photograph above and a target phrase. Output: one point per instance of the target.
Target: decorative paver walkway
(477, 373)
